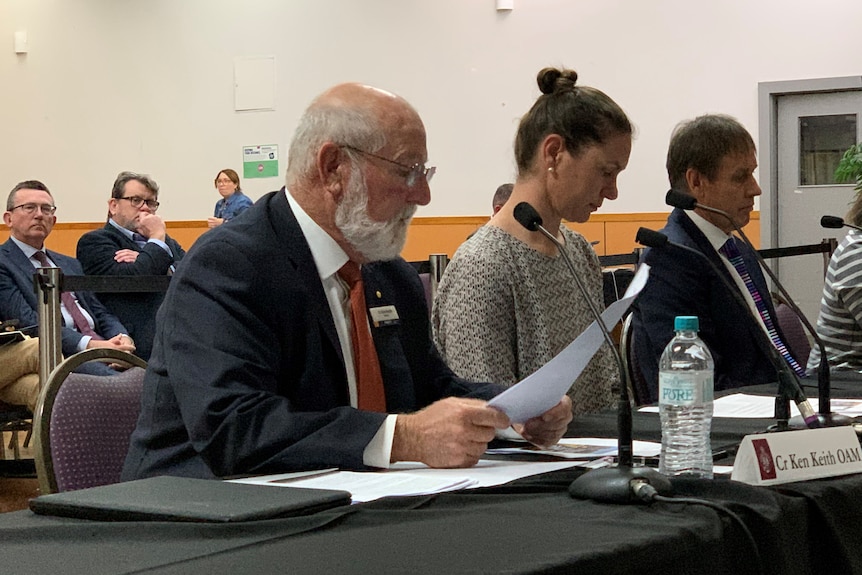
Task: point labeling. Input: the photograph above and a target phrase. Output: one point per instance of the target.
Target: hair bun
(552, 80)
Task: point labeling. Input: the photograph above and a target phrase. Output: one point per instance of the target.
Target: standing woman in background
(232, 203)
(507, 302)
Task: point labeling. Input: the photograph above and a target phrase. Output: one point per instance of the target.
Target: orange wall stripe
(432, 235)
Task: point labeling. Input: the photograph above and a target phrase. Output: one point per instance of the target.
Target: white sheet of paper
(744, 405)
(543, 389)
(410, 478)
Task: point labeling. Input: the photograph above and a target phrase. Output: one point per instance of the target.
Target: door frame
(767, 115)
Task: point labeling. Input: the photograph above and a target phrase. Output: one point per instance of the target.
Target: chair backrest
(430, 272)
(425, 278)
(83, 422)
(638, 389)
(794, 333)
(615, 282)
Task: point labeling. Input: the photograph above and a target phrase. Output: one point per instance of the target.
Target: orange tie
(369, 382)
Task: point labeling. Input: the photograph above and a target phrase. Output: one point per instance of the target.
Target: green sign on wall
(260, 161)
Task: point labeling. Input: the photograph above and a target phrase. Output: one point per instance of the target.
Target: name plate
(774, 458)
(384, 315)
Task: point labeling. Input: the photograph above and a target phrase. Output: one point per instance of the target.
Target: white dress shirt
(329, 258)
(717, 238)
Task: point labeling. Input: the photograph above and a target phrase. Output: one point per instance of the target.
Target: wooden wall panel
(437, 235)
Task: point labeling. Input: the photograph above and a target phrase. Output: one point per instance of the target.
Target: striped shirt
(840, 320)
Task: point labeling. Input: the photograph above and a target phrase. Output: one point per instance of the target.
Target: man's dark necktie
(69, 302)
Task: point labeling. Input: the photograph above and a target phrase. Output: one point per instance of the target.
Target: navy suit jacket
(681, 283)
(137, 311)
(247, 374)
(18, 300)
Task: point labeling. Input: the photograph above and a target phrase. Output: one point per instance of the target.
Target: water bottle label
(681, 388)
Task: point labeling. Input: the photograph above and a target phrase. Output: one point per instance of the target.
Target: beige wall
(148, 85)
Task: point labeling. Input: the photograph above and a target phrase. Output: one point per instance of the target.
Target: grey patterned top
(504, 309)
(840, 320)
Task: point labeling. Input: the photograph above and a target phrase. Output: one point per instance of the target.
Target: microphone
(835, 222)
(786, 377)
(608, 484)
(825, 417)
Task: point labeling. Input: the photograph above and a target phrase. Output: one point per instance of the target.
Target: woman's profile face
(224, 185)
(580, 183)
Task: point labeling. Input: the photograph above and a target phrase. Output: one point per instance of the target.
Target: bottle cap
(686, 323)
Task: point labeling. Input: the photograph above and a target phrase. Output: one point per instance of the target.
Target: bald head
(360, 97)
(348, 114)
(357, 167)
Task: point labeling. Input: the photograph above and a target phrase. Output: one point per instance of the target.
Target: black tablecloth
(528, 526)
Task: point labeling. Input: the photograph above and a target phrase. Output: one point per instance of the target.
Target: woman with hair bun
(232, 203)
(507, 302)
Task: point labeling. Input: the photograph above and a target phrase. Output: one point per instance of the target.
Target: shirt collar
(27, 248)
(327, 254)
(715, 235)
(124, 231)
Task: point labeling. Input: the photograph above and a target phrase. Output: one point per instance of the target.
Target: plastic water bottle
(685, 402)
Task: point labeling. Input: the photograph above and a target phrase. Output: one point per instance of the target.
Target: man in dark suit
(134, 242)
(264, 359)
(712, 158)
(86, 322)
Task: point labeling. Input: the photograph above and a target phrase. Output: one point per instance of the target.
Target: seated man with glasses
(296, 337)
(132, 243)
(86, 322)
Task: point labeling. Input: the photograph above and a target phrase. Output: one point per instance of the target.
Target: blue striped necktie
(731, 251)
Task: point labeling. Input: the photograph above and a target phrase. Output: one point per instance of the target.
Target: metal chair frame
(42, 416)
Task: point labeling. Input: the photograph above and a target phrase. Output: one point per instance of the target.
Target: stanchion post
(438, 263)
(48, 283)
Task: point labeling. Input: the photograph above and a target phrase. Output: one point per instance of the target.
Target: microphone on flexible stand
(825, 417)
(786, 376)
(609, 484)
(834, 222)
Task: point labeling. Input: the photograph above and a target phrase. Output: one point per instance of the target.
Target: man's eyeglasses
(30, 209)
(138, 201)
(413, 173)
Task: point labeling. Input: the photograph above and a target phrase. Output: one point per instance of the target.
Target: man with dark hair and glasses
(297, 338)
(132, 243)
(30, 215)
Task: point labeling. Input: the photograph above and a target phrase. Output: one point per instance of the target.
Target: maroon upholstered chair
(794, 332)
(83, 423)
(425, 278)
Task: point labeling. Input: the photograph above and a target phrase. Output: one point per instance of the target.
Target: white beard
(376, 241)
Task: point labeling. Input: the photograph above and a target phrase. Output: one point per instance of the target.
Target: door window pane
(822, 142)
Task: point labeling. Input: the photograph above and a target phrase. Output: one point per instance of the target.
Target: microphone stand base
(614, 484)
(825, 419)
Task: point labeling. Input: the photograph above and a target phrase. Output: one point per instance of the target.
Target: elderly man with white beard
(298, 339)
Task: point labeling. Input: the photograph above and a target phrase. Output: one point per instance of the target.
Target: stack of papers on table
(582, 448)
(409, 478)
